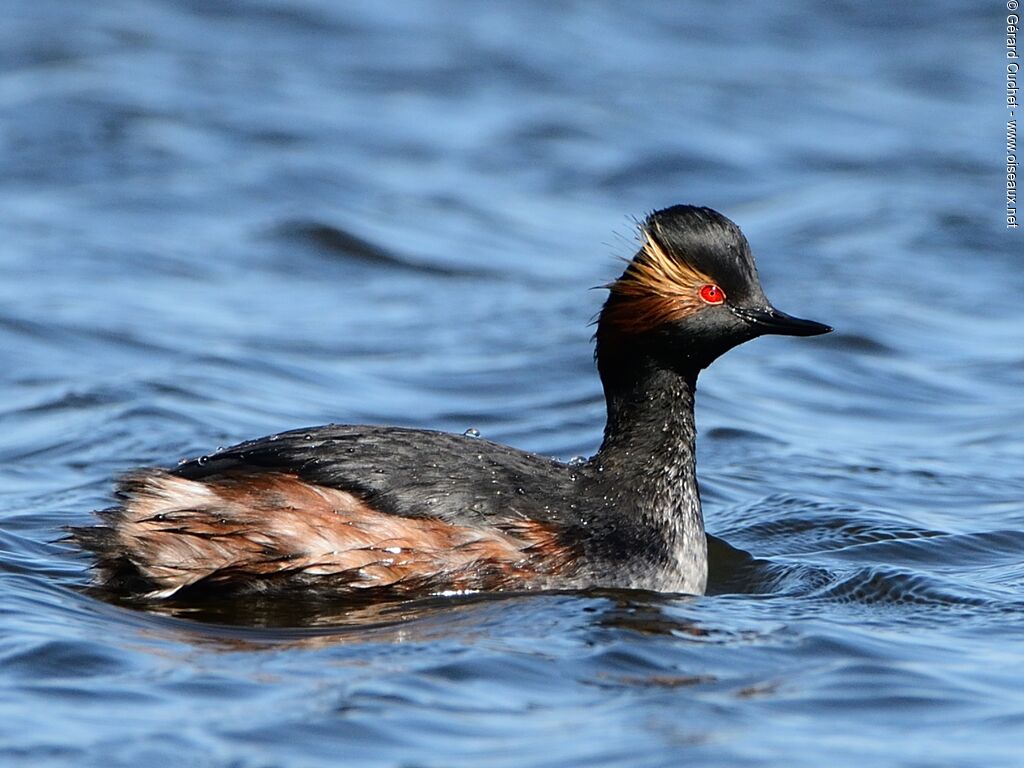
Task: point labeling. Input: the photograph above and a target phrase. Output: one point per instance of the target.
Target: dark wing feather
(413, 473)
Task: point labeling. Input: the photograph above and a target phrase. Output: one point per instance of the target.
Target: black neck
(647, 464)
(650, 415)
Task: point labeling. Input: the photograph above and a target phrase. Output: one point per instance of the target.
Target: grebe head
(689, 295)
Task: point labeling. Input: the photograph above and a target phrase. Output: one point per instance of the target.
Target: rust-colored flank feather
(239, 529)
(656, 289)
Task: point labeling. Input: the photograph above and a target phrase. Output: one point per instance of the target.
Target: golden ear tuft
(655, 289)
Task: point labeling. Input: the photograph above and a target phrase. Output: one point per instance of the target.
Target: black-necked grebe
(385, 511)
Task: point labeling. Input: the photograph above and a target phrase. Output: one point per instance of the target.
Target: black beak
(769, 320)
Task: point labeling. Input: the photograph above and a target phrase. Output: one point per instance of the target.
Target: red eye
(712, 294)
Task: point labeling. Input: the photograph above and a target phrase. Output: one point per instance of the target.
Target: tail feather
(169, 533)
(112, 568)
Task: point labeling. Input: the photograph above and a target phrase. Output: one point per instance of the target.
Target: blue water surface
(220, 220)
